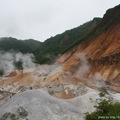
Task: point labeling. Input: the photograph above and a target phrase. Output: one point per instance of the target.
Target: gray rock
(22, 112)
(9, 116)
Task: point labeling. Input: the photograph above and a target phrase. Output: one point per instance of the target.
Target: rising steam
(9, 61)
(84, 67)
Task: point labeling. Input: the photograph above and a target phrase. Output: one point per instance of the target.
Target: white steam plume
(7, 60)
(98, 80)
(27, 61)
(83, 65)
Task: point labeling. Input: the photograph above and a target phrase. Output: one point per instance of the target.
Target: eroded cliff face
(102, 55)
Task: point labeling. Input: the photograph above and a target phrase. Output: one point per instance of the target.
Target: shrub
(105, 109)
(102, 94)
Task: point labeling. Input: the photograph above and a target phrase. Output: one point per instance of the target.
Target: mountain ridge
(25, 46)
(59, 44)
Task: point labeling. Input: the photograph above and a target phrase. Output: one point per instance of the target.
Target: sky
(41, 19)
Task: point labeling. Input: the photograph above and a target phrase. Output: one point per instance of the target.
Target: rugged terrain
(68, 88)
(101, 52)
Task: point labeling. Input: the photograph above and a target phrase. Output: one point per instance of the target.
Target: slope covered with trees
(55, 46)
(13, 44)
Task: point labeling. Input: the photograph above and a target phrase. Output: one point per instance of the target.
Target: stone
(22, 112)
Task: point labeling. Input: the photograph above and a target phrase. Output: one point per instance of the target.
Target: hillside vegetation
(55, 46)
(13, 44)
(105, 109)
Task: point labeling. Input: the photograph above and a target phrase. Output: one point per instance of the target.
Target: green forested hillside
(55, 46)
(24, 46)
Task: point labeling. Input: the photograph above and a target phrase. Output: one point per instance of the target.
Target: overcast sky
(41, 19)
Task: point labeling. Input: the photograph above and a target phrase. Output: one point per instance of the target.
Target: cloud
(41, 19)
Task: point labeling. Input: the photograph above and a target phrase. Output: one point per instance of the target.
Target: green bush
(102, 94)
(105, 110)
